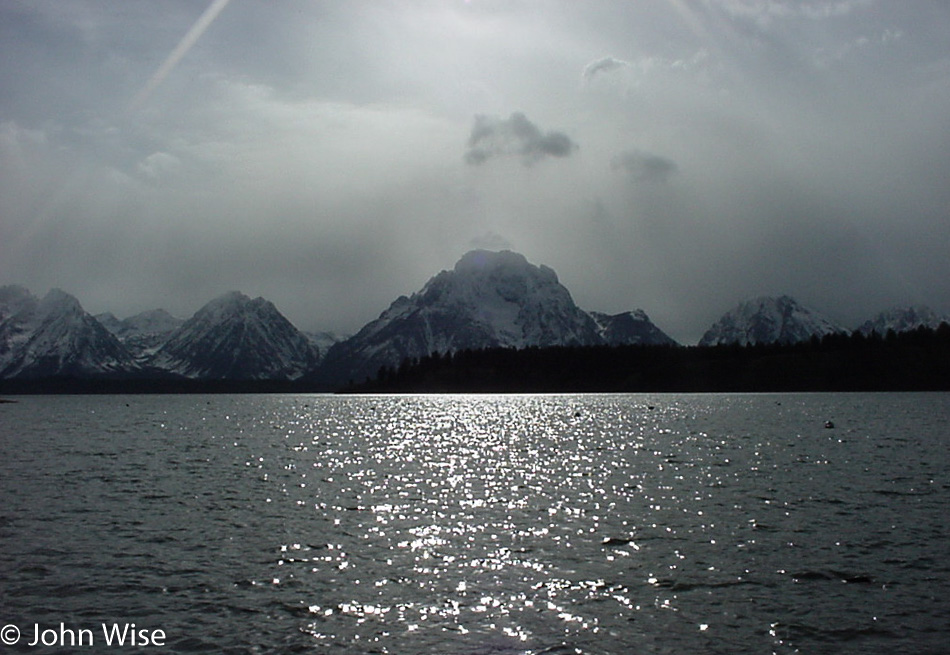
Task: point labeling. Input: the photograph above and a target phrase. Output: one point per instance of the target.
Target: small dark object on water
(829, 425)
(615, 541)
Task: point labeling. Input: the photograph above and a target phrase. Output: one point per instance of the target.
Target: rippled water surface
(482, 524)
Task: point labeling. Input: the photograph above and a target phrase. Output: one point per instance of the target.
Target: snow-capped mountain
(903, 319)
(489, 299)
(236, 338)
(769, 320)
(56, 337)
(143, 333)
(634, 328)
(325, 340)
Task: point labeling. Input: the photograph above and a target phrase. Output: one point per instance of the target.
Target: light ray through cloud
(187, 42)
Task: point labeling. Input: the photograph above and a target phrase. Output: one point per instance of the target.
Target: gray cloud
(766, 10)
(644, 166)
(491, 241)
(514, 136)
(322, 168)
(604, 65)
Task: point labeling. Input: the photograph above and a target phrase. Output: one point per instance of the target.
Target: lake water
(478, 524)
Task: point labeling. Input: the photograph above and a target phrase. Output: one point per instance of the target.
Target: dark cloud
(604, 65)
(514, 136)
(644, 166)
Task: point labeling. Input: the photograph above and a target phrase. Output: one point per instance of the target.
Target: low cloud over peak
(515, 136)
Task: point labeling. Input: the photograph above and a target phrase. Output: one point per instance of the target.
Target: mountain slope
(323, 341)
(56, 337)
(143, 333)
(629, 328)
(489, 299)
(903, 319)
(236, 338)
(768, 320)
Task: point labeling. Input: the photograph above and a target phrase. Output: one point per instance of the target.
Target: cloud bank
(325, 155)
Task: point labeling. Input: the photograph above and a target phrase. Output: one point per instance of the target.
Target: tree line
(917, 360)
(908, 361)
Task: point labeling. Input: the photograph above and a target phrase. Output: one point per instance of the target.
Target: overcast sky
(673, 155)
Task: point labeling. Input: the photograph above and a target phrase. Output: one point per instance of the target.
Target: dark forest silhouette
(915, 360)
(918, 360)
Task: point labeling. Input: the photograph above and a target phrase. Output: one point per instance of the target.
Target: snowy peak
(225, 307)
(629, 328)
(487, 300)
(489, 266)
(507, 300)
(58, 301)
(55, 337)
(142, 333)
(769, 320)
(903, 319)
(234, 337)
(153, 321)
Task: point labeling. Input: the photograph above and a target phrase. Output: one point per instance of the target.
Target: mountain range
(488, 300)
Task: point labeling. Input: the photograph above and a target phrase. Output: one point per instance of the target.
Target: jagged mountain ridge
(769, 319)
(489, 299)
(56, 337)
(903, 319)
(144, 333)
(236, 338)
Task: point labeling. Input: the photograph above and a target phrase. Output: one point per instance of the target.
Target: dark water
(480, 524)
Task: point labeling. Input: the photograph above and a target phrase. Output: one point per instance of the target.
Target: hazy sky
(673, 155)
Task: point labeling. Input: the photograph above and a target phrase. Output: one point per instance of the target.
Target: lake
(510, 524)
